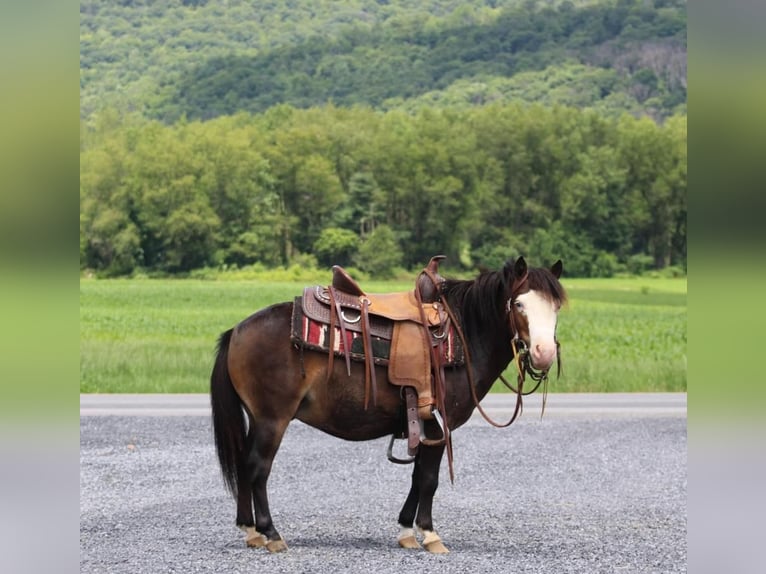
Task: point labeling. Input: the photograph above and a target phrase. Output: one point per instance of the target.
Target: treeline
(201, 59)
(378, 190)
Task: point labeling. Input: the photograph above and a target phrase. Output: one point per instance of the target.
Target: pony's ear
(557, 269)
(520, 267)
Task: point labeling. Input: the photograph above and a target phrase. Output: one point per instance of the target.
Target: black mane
(480, 303)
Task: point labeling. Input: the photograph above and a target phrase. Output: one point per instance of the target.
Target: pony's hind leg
(267, 436)
(270, 384)
(245, 519)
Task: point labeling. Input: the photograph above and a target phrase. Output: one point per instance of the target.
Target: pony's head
(534, 298)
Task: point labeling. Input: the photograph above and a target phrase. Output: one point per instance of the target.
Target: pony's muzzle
(542, 356)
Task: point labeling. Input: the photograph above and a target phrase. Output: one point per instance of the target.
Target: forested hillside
(205, 58)
(377, 133)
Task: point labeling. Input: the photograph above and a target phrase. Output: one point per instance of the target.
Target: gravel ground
(562, 495)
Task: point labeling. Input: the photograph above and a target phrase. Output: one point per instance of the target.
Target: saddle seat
(399, 306)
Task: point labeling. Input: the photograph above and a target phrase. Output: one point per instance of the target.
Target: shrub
(379, 253)
(639, 263)
(336, 246)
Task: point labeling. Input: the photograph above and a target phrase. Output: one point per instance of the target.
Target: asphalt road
(599, 485)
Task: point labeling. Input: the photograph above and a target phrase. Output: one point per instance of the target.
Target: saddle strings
(440, 389)
(336, 315)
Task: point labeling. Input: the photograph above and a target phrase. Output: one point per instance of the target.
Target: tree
(474, 185)
(379, 253)
(654, 160)
(113, 243)
(189, 237)
(367, 202)
(336, 246)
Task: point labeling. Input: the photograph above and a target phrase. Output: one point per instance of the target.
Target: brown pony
(261, 381)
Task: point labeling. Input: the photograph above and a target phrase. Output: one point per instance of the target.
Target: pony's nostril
(542, 355)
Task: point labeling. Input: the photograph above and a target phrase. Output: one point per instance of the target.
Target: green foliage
(112, 243)
(336, 246)
(479, 129)
(566, 83)
(172, 59)
(639, 263)
(379, 253)
(478, 185)
(581, 258)
(188, 237)
(257, 246)
(621, 335)
(494, 255)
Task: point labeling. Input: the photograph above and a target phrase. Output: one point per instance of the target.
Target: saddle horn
(429, 279)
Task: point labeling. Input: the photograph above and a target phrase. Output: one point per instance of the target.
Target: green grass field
(158, 336)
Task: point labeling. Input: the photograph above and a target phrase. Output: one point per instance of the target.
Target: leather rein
(520, 358)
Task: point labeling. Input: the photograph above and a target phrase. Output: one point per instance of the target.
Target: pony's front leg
(425, 481)
(407, 537)
(430, 461)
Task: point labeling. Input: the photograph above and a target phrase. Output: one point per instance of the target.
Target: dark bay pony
(261, 381)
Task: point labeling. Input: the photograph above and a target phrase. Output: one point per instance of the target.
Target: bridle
(520, 356)
(522, 359)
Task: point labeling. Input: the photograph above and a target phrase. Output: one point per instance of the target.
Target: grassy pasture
(623, 335)
(145, 336)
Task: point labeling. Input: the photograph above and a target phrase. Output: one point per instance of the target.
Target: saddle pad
(315, 335)
(312, 334)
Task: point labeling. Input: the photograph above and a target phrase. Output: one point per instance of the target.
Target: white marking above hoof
(253, 538)
(276, 545)
(407, 538)
(433, 543)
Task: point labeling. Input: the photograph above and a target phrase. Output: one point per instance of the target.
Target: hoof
(433, 543)
(256, 541)
(409, 542)
(436, 547)
(253, 538)
(276, 545)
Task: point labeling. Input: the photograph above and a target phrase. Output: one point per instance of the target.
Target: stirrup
(392, 458)
(436, 441)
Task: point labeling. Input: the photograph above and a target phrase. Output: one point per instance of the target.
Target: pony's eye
(519, 305)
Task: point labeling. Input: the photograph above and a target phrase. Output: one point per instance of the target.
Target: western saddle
(416, 325)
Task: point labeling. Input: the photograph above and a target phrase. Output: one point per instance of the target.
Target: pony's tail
(228, 418)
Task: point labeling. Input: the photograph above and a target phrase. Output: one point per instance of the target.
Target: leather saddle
(412, 324)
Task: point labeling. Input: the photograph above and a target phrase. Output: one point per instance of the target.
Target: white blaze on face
(541, 315)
